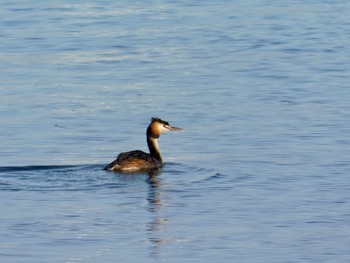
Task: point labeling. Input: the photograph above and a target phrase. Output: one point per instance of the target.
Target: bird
(139, 161)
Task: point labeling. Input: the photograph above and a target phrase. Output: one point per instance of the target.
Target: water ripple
(52, 178)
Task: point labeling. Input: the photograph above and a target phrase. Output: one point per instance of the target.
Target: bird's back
(133, 161)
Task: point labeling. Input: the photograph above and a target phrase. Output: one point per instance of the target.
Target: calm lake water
(260, 173)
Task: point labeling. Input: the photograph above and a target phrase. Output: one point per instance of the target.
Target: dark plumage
(159, 120)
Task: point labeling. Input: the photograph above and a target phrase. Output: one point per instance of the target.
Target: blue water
(260, 174)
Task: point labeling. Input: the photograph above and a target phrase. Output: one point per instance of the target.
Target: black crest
(159, 120)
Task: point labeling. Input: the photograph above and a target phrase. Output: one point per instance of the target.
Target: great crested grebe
(136, 161)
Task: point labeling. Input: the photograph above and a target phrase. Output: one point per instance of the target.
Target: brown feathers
(133, 161)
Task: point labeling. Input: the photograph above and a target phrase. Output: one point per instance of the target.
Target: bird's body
(138, 161)
(134, 161)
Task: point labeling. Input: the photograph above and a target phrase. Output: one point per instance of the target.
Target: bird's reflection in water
(153, 198)
(156, 226)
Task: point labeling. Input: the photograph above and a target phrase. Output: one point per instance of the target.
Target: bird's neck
(154, 148)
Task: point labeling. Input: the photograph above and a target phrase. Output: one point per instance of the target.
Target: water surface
(260, 173)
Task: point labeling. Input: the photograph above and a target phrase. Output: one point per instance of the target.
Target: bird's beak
(171, 128)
